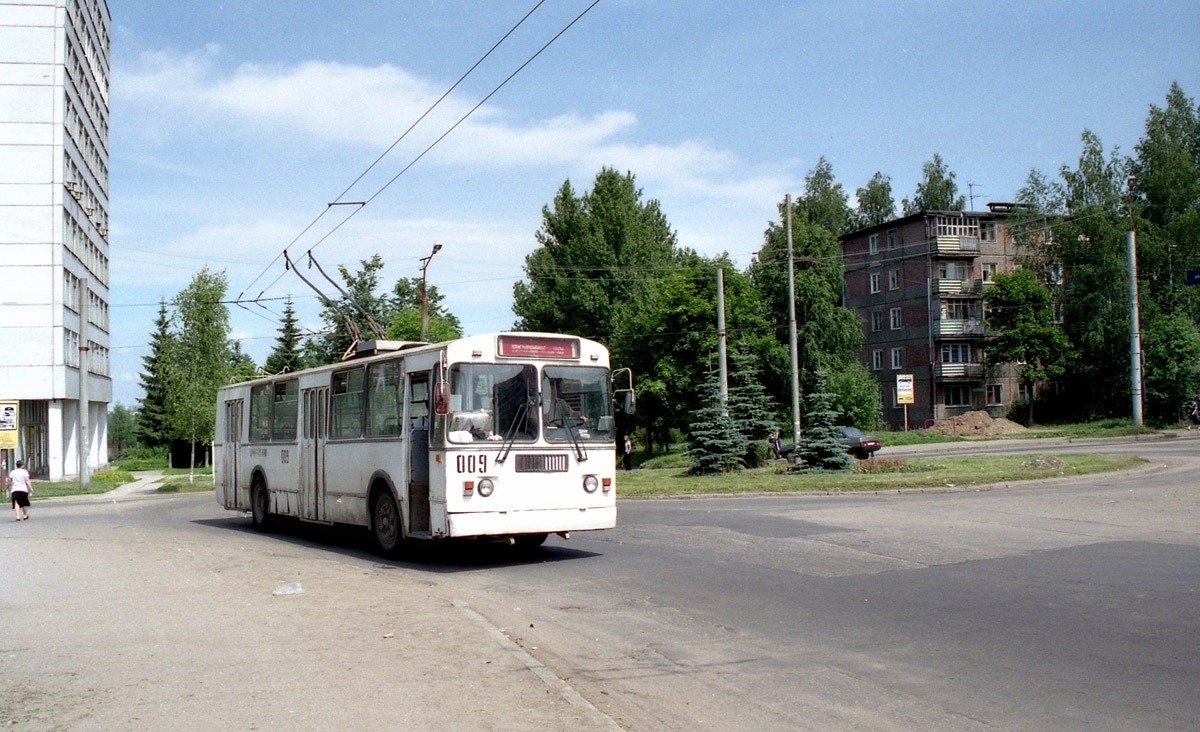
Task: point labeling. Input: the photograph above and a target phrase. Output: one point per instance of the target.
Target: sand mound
(976, 424)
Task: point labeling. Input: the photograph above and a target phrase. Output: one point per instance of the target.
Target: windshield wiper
(565, 417)
(510, 436)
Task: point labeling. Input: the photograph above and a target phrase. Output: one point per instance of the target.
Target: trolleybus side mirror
(441, 398)
(630, 402)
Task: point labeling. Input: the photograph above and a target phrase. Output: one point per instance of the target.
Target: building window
(995, 394)
(894, 319)
(897, 358)
(957, 226)
(957, 309)
(873, 244)
(877, 360)
(1023, 392)
(894, 279)
(987, 231)
(876, 321)
(952, 271)
(989, 271)
(956, 396)
(893, 238)
(956, 353)
(874, 282)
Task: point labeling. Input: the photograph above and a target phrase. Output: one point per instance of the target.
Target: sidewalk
(940, 448)
(146, 484)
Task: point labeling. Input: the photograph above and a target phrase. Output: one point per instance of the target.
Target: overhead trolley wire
(397, 141)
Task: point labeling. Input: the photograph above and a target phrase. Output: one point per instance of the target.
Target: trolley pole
(1135, 336)
(792, 337)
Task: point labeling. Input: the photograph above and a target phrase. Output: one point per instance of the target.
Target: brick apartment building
(917, 283)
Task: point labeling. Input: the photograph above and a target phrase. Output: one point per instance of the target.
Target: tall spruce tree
(715, 443)
(152, 427)
(287, 354)
(821, 446)
(750, 407)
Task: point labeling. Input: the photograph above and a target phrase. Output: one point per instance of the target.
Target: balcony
(959, 371)
(951, 328)
(951, 287)
(955, 246)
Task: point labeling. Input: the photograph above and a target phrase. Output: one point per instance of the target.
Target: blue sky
(233, 125)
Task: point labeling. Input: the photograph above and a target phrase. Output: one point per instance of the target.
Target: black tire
(387, 531)
(529, 541)
(260, 506)
(860, 454)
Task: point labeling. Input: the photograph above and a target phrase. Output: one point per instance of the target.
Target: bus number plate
(471, 463)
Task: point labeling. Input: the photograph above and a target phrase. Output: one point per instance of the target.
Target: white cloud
(370, 106)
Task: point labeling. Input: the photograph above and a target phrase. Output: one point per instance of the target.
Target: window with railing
(957, 226)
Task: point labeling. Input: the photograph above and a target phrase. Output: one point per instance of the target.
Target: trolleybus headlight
(485, 487)
(590, 484)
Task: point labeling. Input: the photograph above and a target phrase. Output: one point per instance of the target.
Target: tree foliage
(936, 191)
(122, 428)
(821, 445)
(875, 202)
(287, 354)
(199, 362)
(824, 200)
(153, 429)
(715, 442)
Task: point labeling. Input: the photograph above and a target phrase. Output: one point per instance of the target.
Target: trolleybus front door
(229, 465)
(312, 454)
(418, 453)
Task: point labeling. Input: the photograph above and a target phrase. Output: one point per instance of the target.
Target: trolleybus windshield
(493, 402)
(577, 399)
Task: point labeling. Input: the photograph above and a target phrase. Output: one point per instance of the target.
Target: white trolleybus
(506, 435)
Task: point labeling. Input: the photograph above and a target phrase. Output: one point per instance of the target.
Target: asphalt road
(1069, 605)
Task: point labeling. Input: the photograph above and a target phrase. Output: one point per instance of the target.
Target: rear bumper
(496, 523)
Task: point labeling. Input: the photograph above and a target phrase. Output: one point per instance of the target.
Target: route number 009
(471, 463)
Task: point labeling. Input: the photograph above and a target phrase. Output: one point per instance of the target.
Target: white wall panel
(26, 44)
(27, 103)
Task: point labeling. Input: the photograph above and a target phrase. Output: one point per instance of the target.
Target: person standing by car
(20, 486)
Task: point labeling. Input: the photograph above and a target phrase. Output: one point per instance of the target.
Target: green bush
(113, 476)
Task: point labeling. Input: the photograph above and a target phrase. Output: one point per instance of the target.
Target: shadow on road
(442, 556)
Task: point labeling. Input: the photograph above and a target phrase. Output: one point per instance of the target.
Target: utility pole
(793, 349)
(1135, 336)
(721, 365)
(424, 294)
(85, 292)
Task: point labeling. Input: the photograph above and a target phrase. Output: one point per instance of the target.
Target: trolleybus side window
(490, 402)
(418, 407)
(260, 413)
(577, 399)
(285, 409)
(346, 397)
(385, 397)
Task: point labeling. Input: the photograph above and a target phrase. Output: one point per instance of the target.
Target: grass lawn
(941, 472)
(184, 471)
(102, 482)
(180, 484)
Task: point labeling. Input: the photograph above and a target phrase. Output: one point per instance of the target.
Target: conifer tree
(152, 428)
(821, 446)
(750, 407)
(715, 442)
(286, 356)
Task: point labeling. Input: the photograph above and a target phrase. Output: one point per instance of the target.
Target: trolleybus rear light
(607, 483)
(468, 487)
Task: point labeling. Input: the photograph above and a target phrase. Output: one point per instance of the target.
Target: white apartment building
(54, 286)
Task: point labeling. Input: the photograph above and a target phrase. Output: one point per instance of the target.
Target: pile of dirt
(976, 424)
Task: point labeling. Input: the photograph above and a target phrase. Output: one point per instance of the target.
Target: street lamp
(424, 295)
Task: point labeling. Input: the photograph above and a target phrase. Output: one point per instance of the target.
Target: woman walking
(20, 486)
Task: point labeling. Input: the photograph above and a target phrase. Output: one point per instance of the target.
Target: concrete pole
(793, 347)
(722, 365)
(84, 447)
(1135, 334)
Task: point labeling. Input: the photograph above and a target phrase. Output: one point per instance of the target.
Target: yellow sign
(8, 425)
(904, 389)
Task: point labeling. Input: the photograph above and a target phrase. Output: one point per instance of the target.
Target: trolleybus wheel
(530, 541)
(385, 524)
(260, 506)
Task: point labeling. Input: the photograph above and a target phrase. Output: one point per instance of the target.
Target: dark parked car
(858, 443)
